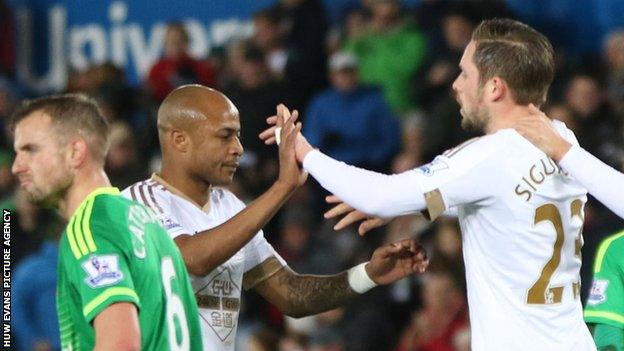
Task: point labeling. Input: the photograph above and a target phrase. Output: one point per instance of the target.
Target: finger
(534, 109)
(420, 267)
(413, 247)
(298, 128)
(332, 199)
(384, 251)
(338, 210)
(369, 225)
(294, 116)
(286, 113)
(289, 133)
(270, 141)
(349, 219)
(267, 133)
(271, 120)
(280, 115)
(399, 246)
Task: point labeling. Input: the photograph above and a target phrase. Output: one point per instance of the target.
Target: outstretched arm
(601, 180)
(205, 251)
(301, 295)
(370, 192)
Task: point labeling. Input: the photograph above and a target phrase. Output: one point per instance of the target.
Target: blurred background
(372, 79)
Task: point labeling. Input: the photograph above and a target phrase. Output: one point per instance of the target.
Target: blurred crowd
(374, 91)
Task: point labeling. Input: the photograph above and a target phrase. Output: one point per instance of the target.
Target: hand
(290, 173)
(537, 128)
(396, 261)
(302, 147)
(352, 216)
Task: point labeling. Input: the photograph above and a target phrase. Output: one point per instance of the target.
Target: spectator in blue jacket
(34, 300)
(351, 122)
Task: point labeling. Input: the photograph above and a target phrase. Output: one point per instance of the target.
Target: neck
(503, 117)
(86, 181)
(176, 176)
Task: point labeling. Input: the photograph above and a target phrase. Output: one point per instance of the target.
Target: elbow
(194, 265)
(289, 309)
(293, 312)
(297, 314)
(198, 269)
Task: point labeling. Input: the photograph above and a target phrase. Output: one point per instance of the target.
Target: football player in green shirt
(122, 284)
(605, 305)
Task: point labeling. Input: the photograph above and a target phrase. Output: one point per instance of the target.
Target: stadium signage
(128, 33)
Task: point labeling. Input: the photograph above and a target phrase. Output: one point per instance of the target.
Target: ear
(496, 89)
(77, 153)
(180, 140)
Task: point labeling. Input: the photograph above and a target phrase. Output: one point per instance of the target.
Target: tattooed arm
(299, 295)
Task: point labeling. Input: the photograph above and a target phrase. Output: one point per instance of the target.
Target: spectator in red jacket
(177, 67)
(442, 322)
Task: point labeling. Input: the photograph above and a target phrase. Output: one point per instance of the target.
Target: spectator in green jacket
(390, 53)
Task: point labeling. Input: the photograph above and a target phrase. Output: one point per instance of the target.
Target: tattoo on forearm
(309, 294)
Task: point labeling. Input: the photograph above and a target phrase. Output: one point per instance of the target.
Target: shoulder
(612, 246)
(473, 153)
(149, 193)
(475, 149)
(103, 208)
(565, 132)
(104, 218)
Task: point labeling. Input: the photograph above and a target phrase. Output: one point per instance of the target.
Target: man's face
(217, 147)
(40, 162)
(175, 45)
(344, 80)
(266, 34)
(469, 93)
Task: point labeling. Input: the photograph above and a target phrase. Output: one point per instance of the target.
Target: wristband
(359, 280)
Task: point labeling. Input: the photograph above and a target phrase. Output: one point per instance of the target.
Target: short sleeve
(459, 176)
(261, 261)
(101, 274)
(605, 303)
(258, 250)
(149, 194)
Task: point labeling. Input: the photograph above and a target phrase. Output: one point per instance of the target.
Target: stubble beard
(52, 198)
(477, 119)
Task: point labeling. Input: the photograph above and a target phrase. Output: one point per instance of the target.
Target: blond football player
(520, 213)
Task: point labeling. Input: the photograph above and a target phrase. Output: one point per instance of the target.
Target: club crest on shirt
(598, 292)
(168, 223)
(434, 166)
(219, 303)
(102, 270)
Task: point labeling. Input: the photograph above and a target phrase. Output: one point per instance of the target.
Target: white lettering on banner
(125, 43)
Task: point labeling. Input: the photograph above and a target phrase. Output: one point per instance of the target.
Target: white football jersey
(521, 218)
(219, 293)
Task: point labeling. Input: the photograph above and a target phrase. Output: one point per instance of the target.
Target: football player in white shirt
(520, 214)
(601, 180)
(221, 240)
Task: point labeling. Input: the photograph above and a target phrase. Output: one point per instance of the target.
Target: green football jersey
(114, 250)
(605, 304)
